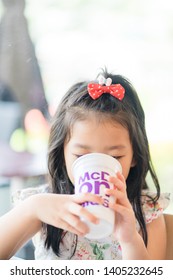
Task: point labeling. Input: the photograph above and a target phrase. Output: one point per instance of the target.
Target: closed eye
(78, 155)
(117, 157)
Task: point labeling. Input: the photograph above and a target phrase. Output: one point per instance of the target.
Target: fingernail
(106, 190)
(97, 221)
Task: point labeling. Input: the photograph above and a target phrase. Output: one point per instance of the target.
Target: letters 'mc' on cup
(90, 175)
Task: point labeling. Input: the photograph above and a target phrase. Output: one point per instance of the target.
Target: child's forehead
(103, 118)
(93, 123)
(95, 134)
(90, 120)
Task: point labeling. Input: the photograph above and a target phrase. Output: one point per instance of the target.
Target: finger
(81, 211)
(119, 184)
(122, 210)
(121, 177)
(75, 222)
(119, 197)
(67, 227)
(87, 197)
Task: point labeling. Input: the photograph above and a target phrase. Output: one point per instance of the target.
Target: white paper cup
(90, 175)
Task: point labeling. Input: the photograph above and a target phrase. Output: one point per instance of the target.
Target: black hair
(74, 106)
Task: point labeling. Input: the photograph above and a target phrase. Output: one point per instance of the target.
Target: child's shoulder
(22, 194)
(151, 209)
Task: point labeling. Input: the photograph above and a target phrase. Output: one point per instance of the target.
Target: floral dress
(86, 249)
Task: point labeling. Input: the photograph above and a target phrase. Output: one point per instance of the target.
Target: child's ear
(133, 163)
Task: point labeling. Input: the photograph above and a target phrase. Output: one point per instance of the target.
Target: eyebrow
(86, 147)
(117, 147)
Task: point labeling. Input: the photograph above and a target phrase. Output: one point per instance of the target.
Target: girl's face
(93, 136)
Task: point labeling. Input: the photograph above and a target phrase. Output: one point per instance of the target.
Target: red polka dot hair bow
(96, 90)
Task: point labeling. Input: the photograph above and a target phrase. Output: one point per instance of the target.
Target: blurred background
(46, 46)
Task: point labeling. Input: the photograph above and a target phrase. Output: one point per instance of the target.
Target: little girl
(102, 116)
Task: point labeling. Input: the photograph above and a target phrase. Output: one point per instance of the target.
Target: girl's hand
(65, 211)
(125, 222)
(25, 220)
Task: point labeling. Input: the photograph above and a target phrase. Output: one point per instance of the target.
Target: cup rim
(90, 155)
